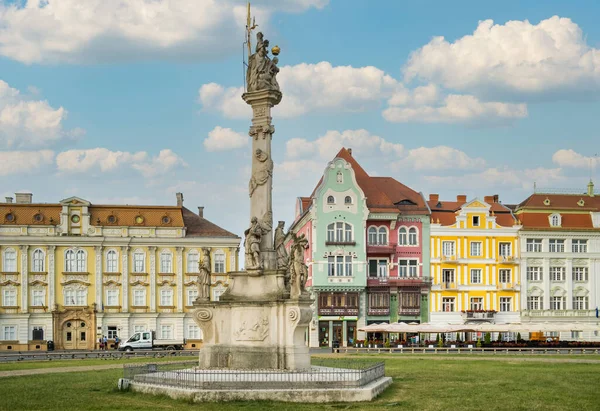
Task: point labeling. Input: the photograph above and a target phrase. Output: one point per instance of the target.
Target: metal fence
(324, 373)
(78, 355)
(473, 350)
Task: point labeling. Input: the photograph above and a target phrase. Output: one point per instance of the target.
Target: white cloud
(570, 158)
(220, 139)
(104, 160)
(437, 158)
(361, 141)
(75, 31)
(26, 122)
(518, 57)
(17, 162)
(298, 170)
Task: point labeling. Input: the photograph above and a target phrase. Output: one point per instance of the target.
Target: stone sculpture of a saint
(253, 236)
(298, 268)
(204, 276)
(263, 171)
(262, 71)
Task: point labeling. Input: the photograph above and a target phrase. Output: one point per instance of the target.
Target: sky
(129, 102)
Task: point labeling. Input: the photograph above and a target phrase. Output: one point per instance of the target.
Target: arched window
(348, 233)
(348, 200)
(112, 262)
(402, 236)
(138, 261)
(555, 220)
(372, 235)
(412, 236)
(193, 261)
(340, 177)
(382, 237)
(80, 261)
(219, 261)
(339, 232)
(38, 261)
(330, 200)
(10, 260)
(166, 262)
(70, 261)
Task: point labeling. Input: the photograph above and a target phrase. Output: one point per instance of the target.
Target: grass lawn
(30, 365)
(419, 384)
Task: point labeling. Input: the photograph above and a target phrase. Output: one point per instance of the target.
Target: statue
(264, 170)
(204, 276)
(298, 268)
(261, 69)
(253, 260)
(282, 255)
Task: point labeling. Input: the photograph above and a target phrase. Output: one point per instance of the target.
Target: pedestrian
(105, 341)
(116, 342)
(101, 343)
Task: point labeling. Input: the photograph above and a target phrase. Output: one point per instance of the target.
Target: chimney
(23, 198)
(434, 197)
(461, 198)
(489, 199)
(496, 198)
(350, 151)
(201, 211)
(8, 199)
(179, 199)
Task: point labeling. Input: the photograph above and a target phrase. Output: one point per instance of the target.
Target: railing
(381, 249)
(508, 259)
(409, 311)
(338, 311)
(473, 350)
(324, 373)
(351, 243)
(378, 311)
(449, 259)
(78, 355)
(559, 313)
(449, 286)
(508, 286)
(472, 315)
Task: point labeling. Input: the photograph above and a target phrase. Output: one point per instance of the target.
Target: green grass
(30, 365)
(419, 384)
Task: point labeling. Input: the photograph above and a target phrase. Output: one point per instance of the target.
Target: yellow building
(474, 261)
(74, 272)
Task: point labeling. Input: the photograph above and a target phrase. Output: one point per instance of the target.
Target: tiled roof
(535, 210)
(568, 221)
(446, 212)
(200, 227)
(24, 213)
(126, 215)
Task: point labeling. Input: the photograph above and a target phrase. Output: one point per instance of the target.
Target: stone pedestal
(258, 334)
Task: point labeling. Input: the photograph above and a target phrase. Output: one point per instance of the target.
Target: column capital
(179, 249)
(152, 248)
(125, 248)
(24, 248)
(51, 248)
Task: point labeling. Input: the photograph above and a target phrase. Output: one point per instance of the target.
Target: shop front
(338, 331)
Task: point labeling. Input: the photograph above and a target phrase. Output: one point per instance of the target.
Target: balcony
(449, 259)
(508, 259)
(449, 286)
(373, 249)
(398, 281)
(508, 286)
(378, 311)
(559, 313)
(341, 243)
(480, 315)
(339, 311)
(409, 311)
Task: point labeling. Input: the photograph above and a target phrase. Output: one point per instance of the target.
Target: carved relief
(581, 262)
(37, 230)
(10, 230)
(112, 232)
(557, 261)
(262, 172)
(534, 261)
(252, 330)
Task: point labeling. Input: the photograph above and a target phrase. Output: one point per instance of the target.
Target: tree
(499, 337)
(518, 337)
(487, 339)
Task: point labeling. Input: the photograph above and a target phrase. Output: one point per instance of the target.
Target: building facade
(560, 243)
(368, 260)
(73, 272)
(474, 261)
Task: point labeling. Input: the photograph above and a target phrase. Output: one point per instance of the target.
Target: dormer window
(340, 177)
(348, 200)
(330, 200)
(555, 220)
(475, 221)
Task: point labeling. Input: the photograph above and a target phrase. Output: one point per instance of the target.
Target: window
(448, 248)
(555, 220)
(347, 200)
(558, 303)
(580, 274)
(192, 294)
(166, 298)
(339, 232)
(193, 262)
(410, 300)
(557, 273)
(448, 276)
(340, 177)
(330, 200)
(219, 262)
(475, 221)
(193, 332)
(557, 246)
(112, 261)
(476, 303)
(372, 237)
(75, 297)
(403, 236)
(9, 297)
(37, 333)
(10, 260)
(534, 246)
(476, 249)
(580, 303)
(378, 268)
(535, 302)
(38, 261)
(412, 236)
(504, 276)
(138, 262)
(166, 262)
(166, 332)
(379, 300)
(534, 274)
(504, 249)
(75, 261)
(505, 304)
(579, 246)
(338, 300)
(339, 265)
(37, 298)
(407, 268)
(139, 297)
(112, 298)
(217, 293)
(476, 276)
(139, 328)
(9, 332)
(575, 334)
(382, 236)
(348, 265)
(448, 304)
(111, 332)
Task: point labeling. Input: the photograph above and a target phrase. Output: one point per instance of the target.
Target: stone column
(51, 276)
(99, 275)
(152, 251)
(125, 278)
(179, 280)
(261, 181)
(24, 278)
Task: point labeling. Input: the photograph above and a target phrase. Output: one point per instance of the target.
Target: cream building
(73, 272)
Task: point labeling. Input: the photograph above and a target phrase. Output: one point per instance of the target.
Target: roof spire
(590, 188)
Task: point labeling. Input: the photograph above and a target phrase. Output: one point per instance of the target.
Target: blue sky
(131, 101)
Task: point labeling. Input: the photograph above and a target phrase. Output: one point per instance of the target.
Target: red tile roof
(446, 212)
(534, 211)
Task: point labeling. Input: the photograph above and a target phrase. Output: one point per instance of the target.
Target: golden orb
(275, 50)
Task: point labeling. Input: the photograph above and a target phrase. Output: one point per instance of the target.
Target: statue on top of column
(262, 71)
